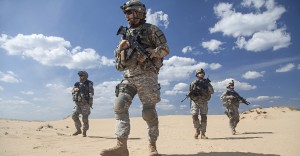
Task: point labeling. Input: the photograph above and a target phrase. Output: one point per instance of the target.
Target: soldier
(82, 93)
(231, 101)
(200, 93)
(144, 46)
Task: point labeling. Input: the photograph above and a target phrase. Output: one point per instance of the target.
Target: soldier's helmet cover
(199, 71)
(137, 6)
(83, 73)
(231, 83)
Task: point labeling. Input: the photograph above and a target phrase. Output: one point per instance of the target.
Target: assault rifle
(196, 90)
(134, 45)
(236, 95)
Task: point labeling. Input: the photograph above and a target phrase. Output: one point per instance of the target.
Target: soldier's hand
(151, 52)
(231, 97)
(140, 58)
(124, 44)
(75, 90)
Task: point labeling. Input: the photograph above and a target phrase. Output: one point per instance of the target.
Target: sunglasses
(129, 12)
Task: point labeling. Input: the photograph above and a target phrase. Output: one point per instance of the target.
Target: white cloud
(253, 74)
(180, 88)
(106, 91)
(1, 88)
(182, 107)
(262, 98)
(104, 99)
(54, 86)
(237, 24)
(179, 68)
(53, 51)
(164, 105)
(157, 18)
(27, 92)
(187, 49)
(253, 3)
(298, 66)
(214, 66)
(9, 77)
(264, 40)
(286, 68)
(223, 10)
(212, 45)
(260, 26)
(220, 86)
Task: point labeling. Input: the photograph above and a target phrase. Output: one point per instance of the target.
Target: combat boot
(77, 132)
(233, 132)
(197, 133)
(119, 150)
(84, 133)
(203, 135)
(152, 149)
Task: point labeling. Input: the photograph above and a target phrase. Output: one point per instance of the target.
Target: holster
(125, 88)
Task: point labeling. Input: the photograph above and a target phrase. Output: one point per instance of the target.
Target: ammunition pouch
(205, 95)
(75, 97)
(120, 61)
(90, 101)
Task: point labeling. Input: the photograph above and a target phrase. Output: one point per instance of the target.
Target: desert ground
(261, 132)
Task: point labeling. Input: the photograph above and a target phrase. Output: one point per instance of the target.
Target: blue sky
(44, 43)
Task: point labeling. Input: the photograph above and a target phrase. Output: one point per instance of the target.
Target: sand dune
(261, 132)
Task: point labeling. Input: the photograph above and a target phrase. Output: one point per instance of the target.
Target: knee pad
(149, 113)
(121, 106)
(203, 118)
(195, 117)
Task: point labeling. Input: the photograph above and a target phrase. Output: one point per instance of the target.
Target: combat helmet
(84, 73)
(199, 71)
(137, 6)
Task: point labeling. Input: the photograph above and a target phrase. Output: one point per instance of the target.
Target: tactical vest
(83, 94)
(200, 90)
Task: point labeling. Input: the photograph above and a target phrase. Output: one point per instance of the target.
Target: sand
(261, 132)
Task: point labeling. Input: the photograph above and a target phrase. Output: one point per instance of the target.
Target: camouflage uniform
(232, 106)
(82, 93)
(199, 106)
(140, 76)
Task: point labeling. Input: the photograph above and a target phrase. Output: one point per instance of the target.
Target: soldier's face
(130, 17)
(81, 77)
(200, 75)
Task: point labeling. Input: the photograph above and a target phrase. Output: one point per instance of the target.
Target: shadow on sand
(237, 138)
(102, 137)
(257, 133)
(222, 154)
(234, 138)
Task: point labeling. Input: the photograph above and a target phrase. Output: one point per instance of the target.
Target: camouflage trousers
(199, 107)
(148, 90)
(233, 115)
(83, 109)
